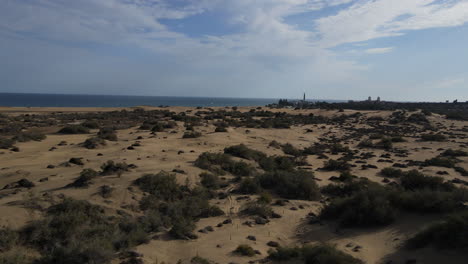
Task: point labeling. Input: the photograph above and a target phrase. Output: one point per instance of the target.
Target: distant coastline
(76, 100)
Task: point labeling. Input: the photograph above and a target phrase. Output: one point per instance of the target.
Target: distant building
(369, 99)
(378, 99)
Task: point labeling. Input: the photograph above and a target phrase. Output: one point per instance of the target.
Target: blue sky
(330, 49)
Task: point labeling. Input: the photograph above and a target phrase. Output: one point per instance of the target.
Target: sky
(405, 50)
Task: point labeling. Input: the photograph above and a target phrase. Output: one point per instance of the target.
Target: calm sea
(67, 100)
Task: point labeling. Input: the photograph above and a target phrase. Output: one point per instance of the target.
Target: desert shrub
(110, 168)
(273, 163)
(446, 162)
(107, 133)
(6, 143)
(454, 153)
(347, 188)
(336, 165)
(192, 134)
(312, 254)
(162, 186)
(289, 149)
(32, 135)
(433, 137)
(449, 234)
(76, 231)
(219, 163)
(391, 172)
(15, 257)
(265, 197)
(430, 201)
(91, 124)
(210, 181)
(418, 118)
(248, 186)
(414, 180)
(369, 207)
(220, 129)
(245, 250)
(158, 127)
(74, 129)
(84, 179)
(461, 170)
(366, 143)
(274, 144)
(257, 209)
(291, 184)
(105, 191)
(244, 152)
(182, 228)
(8, 238)
(93, 143)
(199, 260)
(385, 143)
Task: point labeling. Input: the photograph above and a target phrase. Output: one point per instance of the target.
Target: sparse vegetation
(312, 254)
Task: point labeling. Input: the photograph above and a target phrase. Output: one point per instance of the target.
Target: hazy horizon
(400, 50)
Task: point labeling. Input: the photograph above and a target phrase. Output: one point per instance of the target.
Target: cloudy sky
(330, 49)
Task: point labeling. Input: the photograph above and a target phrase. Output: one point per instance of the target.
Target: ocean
(73, 100)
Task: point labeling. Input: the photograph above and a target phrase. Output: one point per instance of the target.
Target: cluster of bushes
(74, 232)
(295, 184)
(93, 143)
(362, 203)
(31, 135)
(312, 254)
(449, 234)
(74, 129)
(174, 206)
(220, 163)
(433, 137)
(336, 165)
(107, 133)
(192, 134)
(6, 143)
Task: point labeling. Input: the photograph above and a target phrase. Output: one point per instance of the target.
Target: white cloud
(379, 50)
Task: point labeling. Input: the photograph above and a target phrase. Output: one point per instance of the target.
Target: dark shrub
(391, 172)
(365, 208)
(182, 228)
(192, 134)
(317, 254)
(162, 185)
(336, 165)
(414, 180)
(244, 152)
(209, 180)
(8, 239)
(84, 179)
(105, 191)
(450, 234)
(430, 201)
(291, 184)
(257, 209)
(32, 135)
(220, 129)
(199, 260)
(6, 143)
(245, 250)
(291, 150)
(454, 153)
(91, 124)
(441, 162)
(277, 163)
(433, 137)
(93, 143)
(74, 129)
(107, 133)
(219, 163)
(110, 167)
(249, 186)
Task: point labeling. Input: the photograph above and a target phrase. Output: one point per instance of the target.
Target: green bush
(192, 134)
(162, 185)
(199, 260)
(93, 143)
(446, 162)
(32, 135)
(365, 208)
(257, 209)
(249, 186)
(219, 163)
(245, 250)
(391, 172)
(414, 180)
(336, 165)
(318, 254)
(107, 133)
(433, 137)
(74, 129)
(91, 124)
(454, 153)
(8, 238)
(84, 179)
(451, 234)
(110, 168)
(430, 201)
(291, 184)
(6, 143)
(244, 152)
(210, 181)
